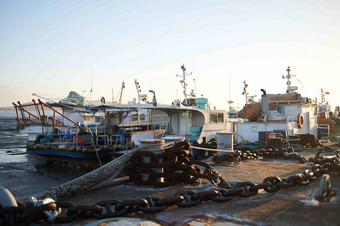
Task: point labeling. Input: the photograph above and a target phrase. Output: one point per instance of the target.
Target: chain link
(25, 215)
(170, 167)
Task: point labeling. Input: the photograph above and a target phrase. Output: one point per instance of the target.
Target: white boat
(190, 119)
(66, 117)
(287, 113)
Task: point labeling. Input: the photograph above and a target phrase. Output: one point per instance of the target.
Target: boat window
(184, 115)
(220, 117)
(142, 117)
(134, 117)
(216, 118)
(280, 110)
(99, 119)
(213, 118)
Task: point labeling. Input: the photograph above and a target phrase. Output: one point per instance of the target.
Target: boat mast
(183, 81)
(323, 96)
(245, 92)
(230, 102)
(290, 88)
(288, 76)
(249, 99)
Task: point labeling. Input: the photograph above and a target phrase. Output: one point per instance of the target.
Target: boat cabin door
(185, 122)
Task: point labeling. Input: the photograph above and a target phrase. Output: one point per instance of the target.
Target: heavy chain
(278, 148)
(25, 215)
(170, 167)
(115, 208)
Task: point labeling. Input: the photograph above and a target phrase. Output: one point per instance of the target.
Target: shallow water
(12, 143)
(24, 174)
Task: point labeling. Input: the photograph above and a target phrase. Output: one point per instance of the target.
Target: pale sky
(53, 47)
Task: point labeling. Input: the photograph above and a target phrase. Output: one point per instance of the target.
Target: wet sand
(25, 175)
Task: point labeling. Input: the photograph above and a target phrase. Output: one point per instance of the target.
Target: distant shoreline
(6, 108)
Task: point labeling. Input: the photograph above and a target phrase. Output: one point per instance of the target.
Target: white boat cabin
(289, 113)
(193, 123)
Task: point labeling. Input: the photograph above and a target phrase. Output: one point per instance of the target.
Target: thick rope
(90, 180)
(210, 149)
(156, 147)
(98, 177)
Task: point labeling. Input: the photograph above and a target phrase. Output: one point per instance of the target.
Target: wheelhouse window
(216, 117)
(99, 119)
(281, 110)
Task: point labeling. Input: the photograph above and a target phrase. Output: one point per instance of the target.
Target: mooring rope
(95, 147)
(156, 146)
(88, 181)
(98, 177)
(209, 149)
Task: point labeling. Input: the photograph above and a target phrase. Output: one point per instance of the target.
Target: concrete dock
(288, 206)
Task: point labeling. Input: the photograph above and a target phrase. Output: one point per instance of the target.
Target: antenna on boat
(113, 97)
(245, 92)
(183, 81)
(193, 92)
(91, 82)
(249, 99)
(290, 88)
(82, 94)
(230, 102)
(323, 98)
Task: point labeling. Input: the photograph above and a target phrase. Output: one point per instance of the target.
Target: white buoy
(325, 185)
(6, 198)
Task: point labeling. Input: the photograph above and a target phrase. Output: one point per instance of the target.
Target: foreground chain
(68, 212)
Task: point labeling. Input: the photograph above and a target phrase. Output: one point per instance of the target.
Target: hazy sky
(53, 47)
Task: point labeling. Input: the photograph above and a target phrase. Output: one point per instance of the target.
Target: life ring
(300, 121)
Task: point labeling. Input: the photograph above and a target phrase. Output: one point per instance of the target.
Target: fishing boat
(193, 119)
(277, 115)
(326, 118)
(66, 116)
(80, 134)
